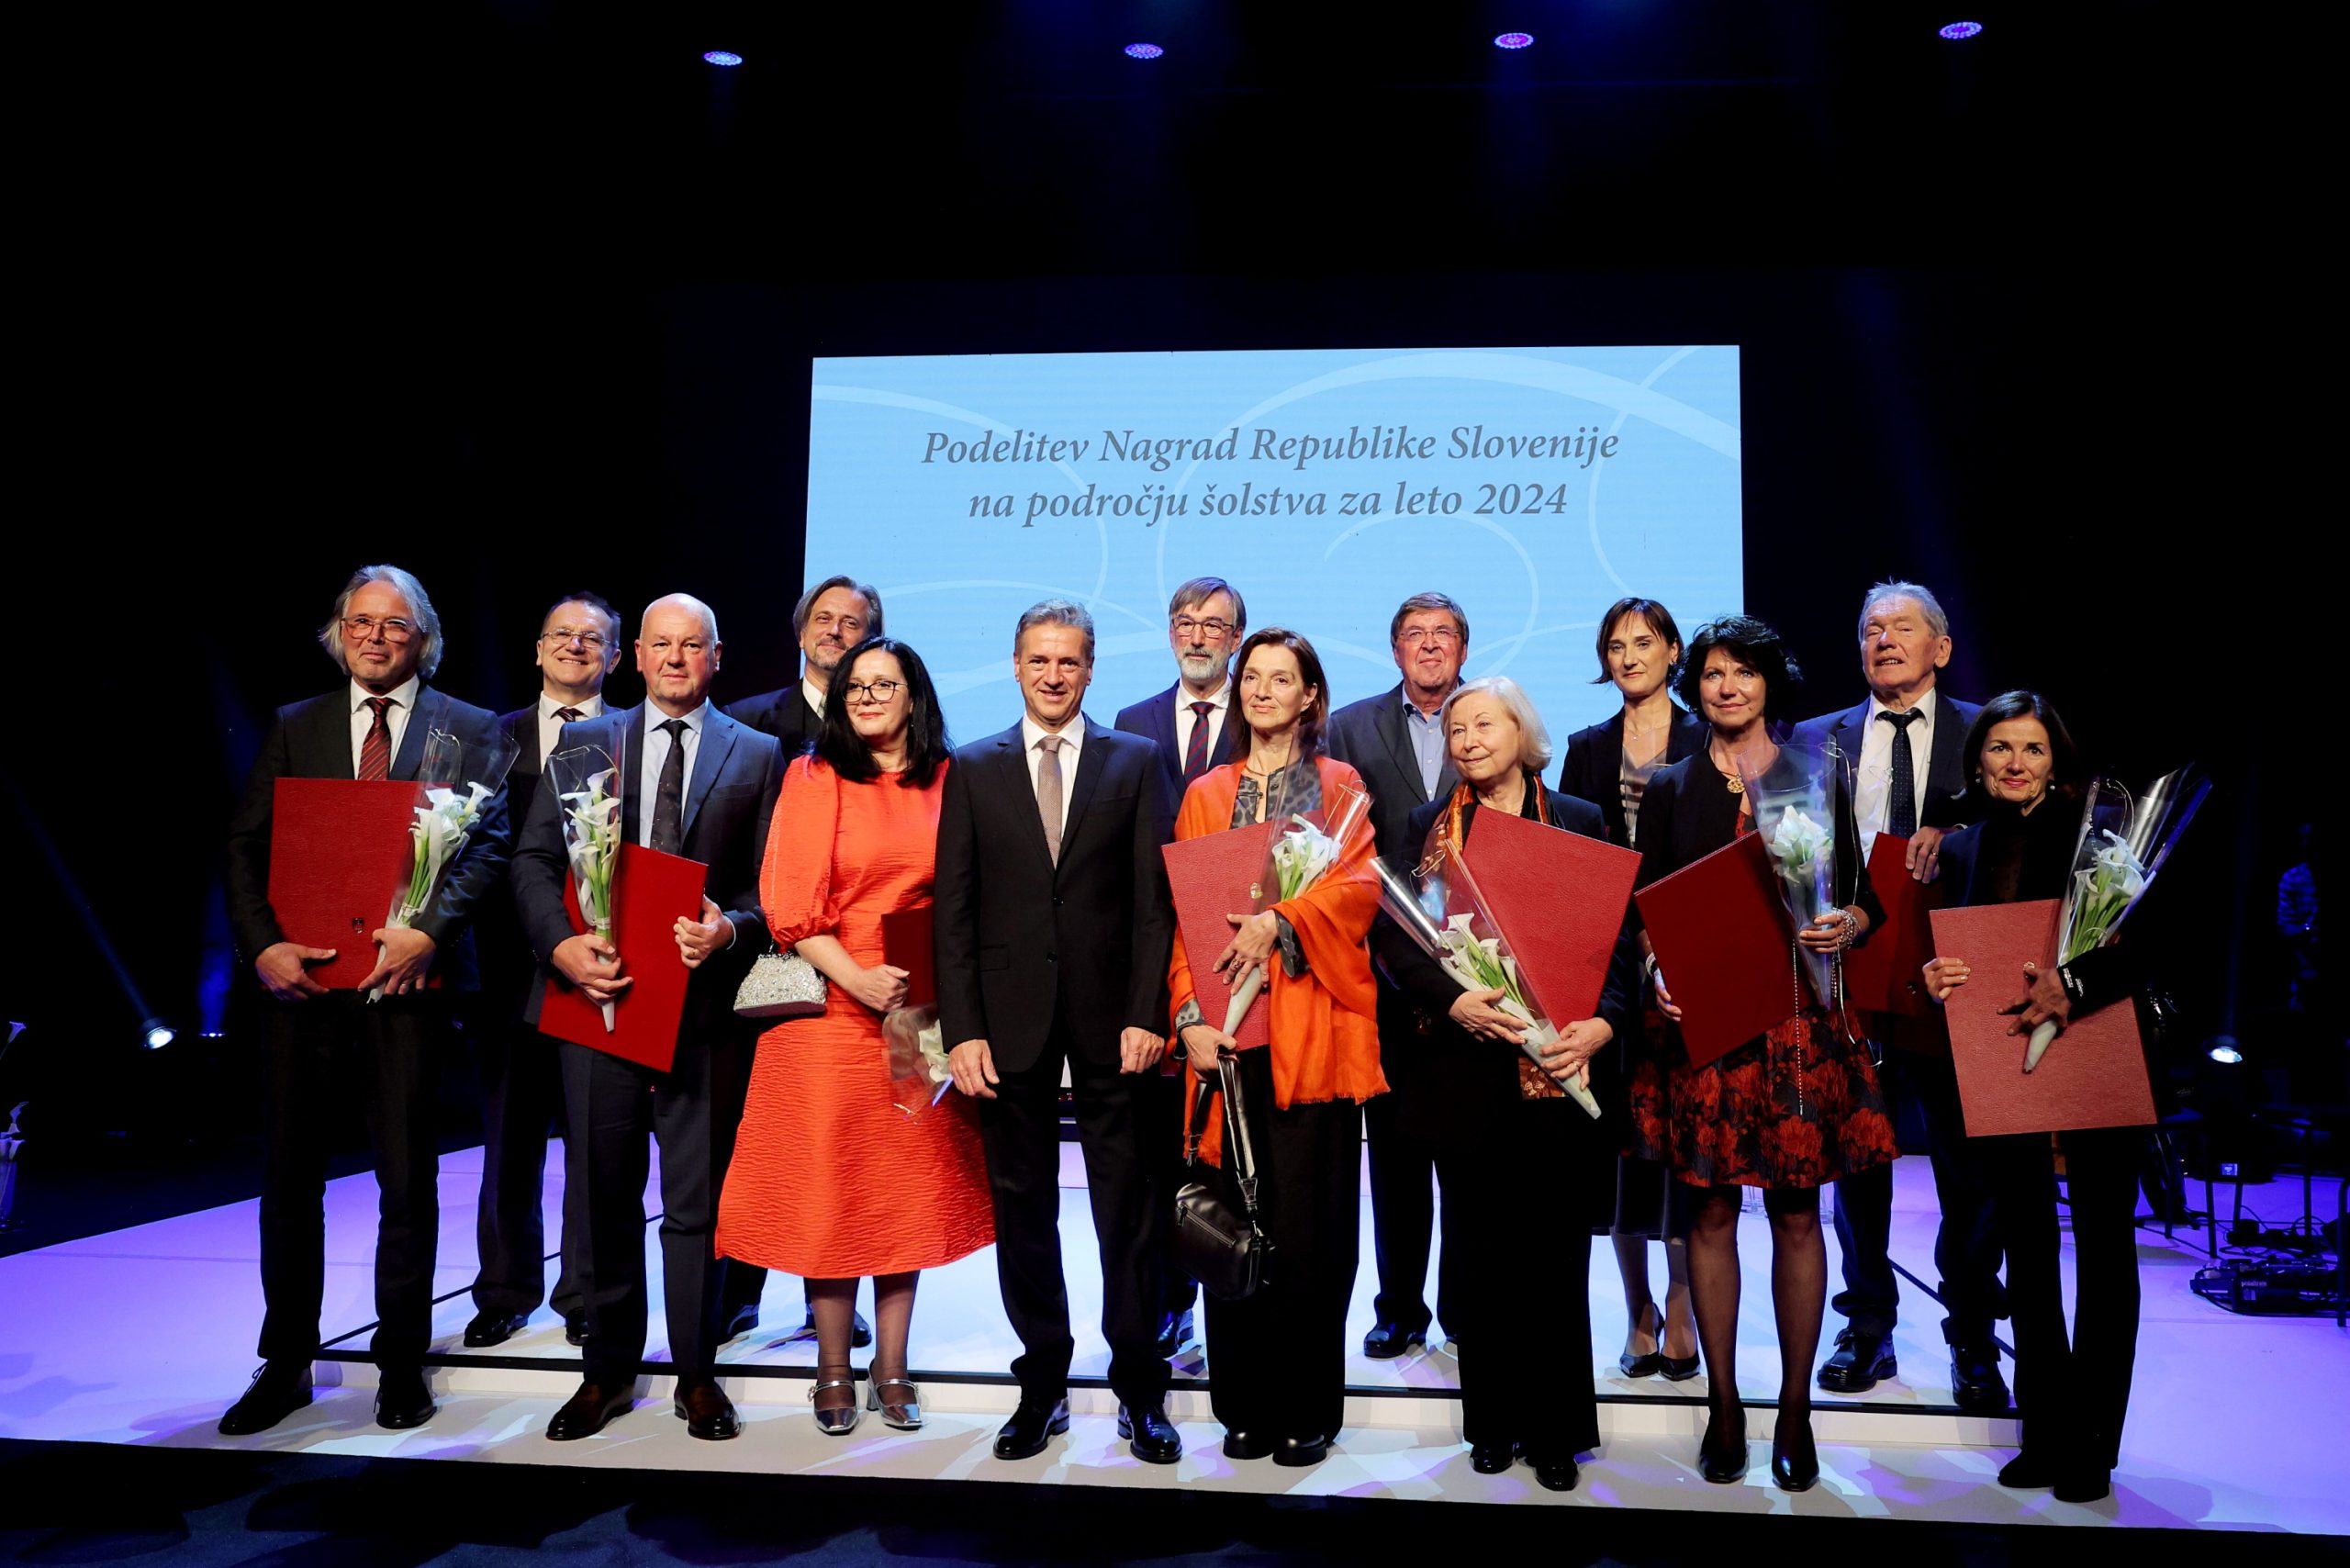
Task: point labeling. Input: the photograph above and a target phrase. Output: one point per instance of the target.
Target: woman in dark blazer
(1611, 765)
(1528, 1176)
(1789, 1111)
(2072, 1391)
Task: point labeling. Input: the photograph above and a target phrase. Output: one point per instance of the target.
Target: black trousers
(1020, 1129)
(1402, 1184)
(1276, 1361)
(521, 1100)
(692, 1112)
(1522, 1285)
(2073, 1390)
(1162, 1101)
(322, 1053)
(1967, 1245)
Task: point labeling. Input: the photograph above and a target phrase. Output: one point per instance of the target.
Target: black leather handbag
(1224, 1250)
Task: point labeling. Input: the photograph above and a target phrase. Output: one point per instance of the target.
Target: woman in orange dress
(1281, 1356)
(833, 1178)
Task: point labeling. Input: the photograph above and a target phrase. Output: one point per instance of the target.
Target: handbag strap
(1236, 1135)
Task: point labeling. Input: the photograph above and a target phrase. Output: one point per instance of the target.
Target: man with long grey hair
(385, 638)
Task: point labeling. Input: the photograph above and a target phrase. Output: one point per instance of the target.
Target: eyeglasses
(360, 628)
(878, 690)
(559, 635)
(1213, 630)
(1441, 636)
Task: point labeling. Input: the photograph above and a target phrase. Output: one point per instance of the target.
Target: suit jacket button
(1057, 901)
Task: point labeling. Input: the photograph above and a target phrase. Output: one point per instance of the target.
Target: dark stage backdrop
(2024, 438)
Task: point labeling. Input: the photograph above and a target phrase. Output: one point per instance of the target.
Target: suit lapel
(1091, 760)
(629, 728)
(717, 740)
(1020, 793)
(421, 726)
(1945, 759)
(323, 747)
(1389, 717)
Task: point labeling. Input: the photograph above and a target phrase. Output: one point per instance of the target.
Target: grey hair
(1199, 590)
(1420, 601)
(709, 616)
(1936, 622)
(1536, 754)
(419, 608)
(807, 605)
(1055, 613)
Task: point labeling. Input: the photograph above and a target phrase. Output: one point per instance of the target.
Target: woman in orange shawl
(1281, 1356)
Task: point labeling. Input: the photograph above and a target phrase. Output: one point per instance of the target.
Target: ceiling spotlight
(159, 1034)
(1513, 41)
(1144, 51)
(722, 57)
(1961, 29)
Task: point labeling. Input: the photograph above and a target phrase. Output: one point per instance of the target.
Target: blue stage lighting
(1514, 41)
(1961, 29)
(160, 1035)
(1144, 51)
(2225, 1052)
(722, 57)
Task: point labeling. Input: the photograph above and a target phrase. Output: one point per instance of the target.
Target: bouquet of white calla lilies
(444, 821)
(591, 833)
(1794, 802)
(1296, 862)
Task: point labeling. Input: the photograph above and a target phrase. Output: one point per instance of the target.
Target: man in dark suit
(521, 1088)
(830, 618)
(1052, 929)
(384, 636)
(1906, 744)
(1190, 723)
(694, 783)
(1394, 742)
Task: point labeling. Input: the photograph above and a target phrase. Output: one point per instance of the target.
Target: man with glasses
(385, 638)
(1188, 721)
(578, 645)
(1394, 741)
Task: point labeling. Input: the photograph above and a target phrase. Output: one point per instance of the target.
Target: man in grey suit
(696, 784)
(1905, 744)
(1394, 741)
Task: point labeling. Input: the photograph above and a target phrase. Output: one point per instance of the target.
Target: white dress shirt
(657, 756)
(551, 727)
(814, 695)
(396, 717)
(1873, 792)
(1072, 738)
(1219, 714)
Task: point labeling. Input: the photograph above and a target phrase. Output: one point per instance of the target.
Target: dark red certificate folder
(2095, 1072)
(905, 945)
(1882, 975)
(1557, 900)
(1722, 937)
(1211, 877)
(338, 854)
(650, 892)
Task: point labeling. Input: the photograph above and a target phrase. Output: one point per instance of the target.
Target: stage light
(722, 57)
(159, 1034)
(1514, 41)
(2225, 1050)
(1961, 29)
(1144, 51)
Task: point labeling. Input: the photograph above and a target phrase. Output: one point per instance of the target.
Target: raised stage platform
(145, 1335)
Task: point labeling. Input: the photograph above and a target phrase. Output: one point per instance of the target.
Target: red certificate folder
(650, 892)
(1211, 877)
(1882, 974)
(905, 945)
(1559, 899)
(1722, 937)
(2094, 1075)
(338, 854)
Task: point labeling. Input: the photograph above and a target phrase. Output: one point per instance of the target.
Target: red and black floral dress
(1799, 1107)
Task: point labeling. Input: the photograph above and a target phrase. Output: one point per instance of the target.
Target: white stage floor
(145, 1335)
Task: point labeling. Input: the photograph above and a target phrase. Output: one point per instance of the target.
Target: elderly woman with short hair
(1528, 1176)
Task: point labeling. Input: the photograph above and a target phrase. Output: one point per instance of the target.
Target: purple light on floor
(1961, 29)
(1144, 51)
(1514, 41)
(722, 57)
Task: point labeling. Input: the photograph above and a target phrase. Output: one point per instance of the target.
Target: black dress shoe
(745, 1318)
(1676, 1369)
(1976, 1384)
(1151, 1436)
(402, 1398)
(1031, 1427)
(708, 1413)
(1298, 1453)
(278, 1389)
(590, 1407)
(1558, 1476)
(1723, 1464)
(574, 1330)
(1860, 1360)
(1388, 1340)
(494, 1329)
(2084, 1485)
(1491, 1458)
(1641, 1366)
(2027, 1471)
(1174, 1333)
(1245, 1446)
(1795, 1459)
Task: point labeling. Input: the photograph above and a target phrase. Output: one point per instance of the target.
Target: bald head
(690, 605)
(676, 653)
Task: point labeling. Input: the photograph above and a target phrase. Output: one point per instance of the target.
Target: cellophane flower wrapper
(587, 781)
(917, 1072)
(1301, 852)
(1794, 802)
(451, 792)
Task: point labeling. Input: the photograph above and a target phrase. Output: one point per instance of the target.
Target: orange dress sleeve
(796, 882)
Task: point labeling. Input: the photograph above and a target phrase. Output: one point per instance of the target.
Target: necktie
(566, 715)
(375, 751)
(670, 798)
(1048, 793)
(1901, 812)
(1195, 750)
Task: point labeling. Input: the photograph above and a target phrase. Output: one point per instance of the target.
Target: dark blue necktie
(1901, 812)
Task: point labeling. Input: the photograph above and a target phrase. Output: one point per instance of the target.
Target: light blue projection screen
(1535, 485)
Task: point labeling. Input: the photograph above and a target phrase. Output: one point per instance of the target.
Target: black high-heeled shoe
(1723, 1465)
(1795, 1463)
(1676, 1369)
